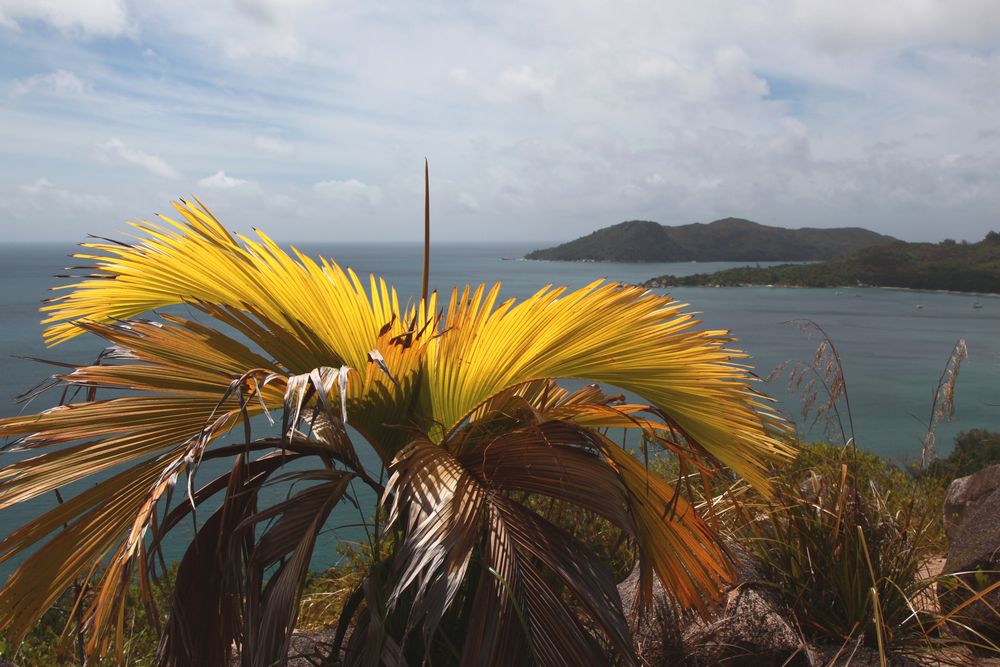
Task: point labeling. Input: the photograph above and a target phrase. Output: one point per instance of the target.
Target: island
(948, 265)
(726, 240)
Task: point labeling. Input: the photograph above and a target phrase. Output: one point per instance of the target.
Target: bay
(893, 343)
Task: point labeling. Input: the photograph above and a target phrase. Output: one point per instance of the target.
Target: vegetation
(459, 403)
(899, 509)
(958, 267)
(847, 539)
(58, 638)
(846, 556)
(973, 451)
(730, 239)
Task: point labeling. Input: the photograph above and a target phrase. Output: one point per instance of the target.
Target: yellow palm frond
(197, 260)
(623, 336)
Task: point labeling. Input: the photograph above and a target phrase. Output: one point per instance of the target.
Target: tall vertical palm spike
(427, 231)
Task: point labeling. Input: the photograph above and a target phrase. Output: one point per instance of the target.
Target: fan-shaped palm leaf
(460, 405)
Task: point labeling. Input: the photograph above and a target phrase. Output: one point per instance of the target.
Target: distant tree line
(959, 267)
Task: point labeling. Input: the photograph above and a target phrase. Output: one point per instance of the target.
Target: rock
(972, 523)
(750, 629)
(306, 649)
(856, 655)
(309, 648)
(657, 631)
(968, 494)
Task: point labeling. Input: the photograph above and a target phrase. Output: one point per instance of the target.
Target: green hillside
(729, 239)
(959, 267)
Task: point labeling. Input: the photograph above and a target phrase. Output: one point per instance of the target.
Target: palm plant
(458, 400)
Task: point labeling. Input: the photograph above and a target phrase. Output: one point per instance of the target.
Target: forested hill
(959, 267)
(729, 239)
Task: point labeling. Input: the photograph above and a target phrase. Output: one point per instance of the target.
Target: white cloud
(282, 202)
(40, 186)
(523, 81)
(271, 13)
(59, 82)
(91, 17)
(851, 24)
(152, 56)
(658, 68)
(459, 76)
(151, 163)
(513, 84)
(468, 202)
(723, 76)
(42, 191)
(273, 145)
(220, 180)
(734, 73)
(351, 191)
(247, 30)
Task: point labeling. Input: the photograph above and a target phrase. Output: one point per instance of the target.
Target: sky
(542, 120)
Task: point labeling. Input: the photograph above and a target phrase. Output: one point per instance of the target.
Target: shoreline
(648, 285)
(939, 291)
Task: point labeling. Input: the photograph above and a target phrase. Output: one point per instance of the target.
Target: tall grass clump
(846, 555)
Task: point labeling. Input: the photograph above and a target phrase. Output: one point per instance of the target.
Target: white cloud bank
(542, 119)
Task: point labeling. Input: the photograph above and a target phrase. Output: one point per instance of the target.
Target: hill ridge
(725, 239)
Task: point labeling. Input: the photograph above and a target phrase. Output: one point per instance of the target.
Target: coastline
(937, 291)
(655, 283)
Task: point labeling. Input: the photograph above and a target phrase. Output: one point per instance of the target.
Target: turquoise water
(893, 351)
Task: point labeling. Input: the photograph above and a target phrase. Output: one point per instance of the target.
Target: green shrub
(974, 450)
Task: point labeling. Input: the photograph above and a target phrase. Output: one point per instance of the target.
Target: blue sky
(542, 120)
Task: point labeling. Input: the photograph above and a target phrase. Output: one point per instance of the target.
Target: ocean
(893, 343)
